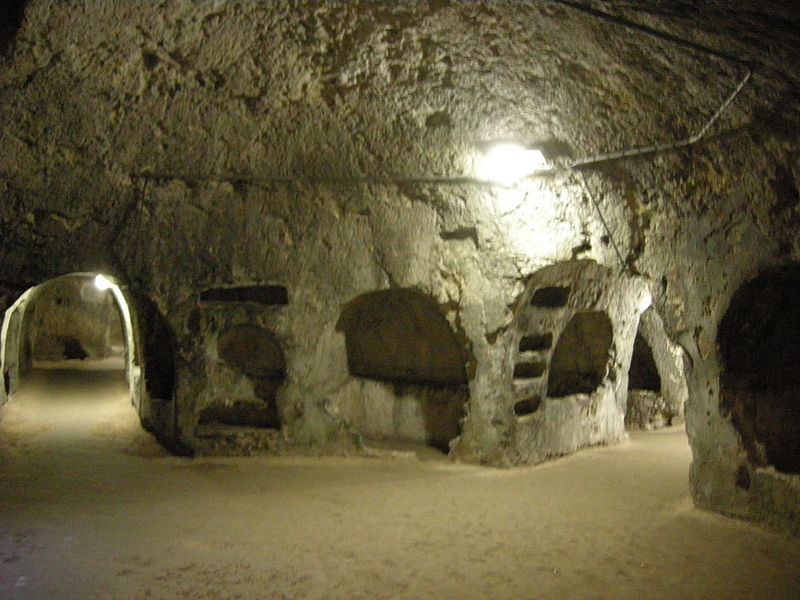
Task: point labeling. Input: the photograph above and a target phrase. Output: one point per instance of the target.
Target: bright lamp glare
(508, 163)
(102, 283)
(645, 302)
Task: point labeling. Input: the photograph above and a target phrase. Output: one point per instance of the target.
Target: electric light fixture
(102, 283)
(645, 302)
(507, 163)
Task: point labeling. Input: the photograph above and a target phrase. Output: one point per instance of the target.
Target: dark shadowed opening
(12, 13)
(527, 406)
(401, 336)
(550, 297)
(646, 407)
(759, 340)
(529, 370)
(581, 355)
(643, 374)
(158, 349)
(535, 343)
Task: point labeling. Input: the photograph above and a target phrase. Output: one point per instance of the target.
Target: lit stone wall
(188, 146)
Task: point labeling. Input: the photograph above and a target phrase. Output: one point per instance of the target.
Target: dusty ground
(92, 509)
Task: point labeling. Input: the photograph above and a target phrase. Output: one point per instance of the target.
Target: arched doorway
(645, 401)
(68, 345)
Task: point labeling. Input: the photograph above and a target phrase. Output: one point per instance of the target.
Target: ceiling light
(507, 163)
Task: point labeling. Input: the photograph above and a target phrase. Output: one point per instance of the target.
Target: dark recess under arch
(759, 340)
(550, 297)
(158, 349)
(643, 373)
(581, 355)
(12, 13)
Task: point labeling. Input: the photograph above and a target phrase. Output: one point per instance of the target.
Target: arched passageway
(70, 357)
(402, 339)
(646, 408)
(759, 341)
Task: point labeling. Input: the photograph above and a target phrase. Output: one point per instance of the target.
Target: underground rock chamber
(69, 356)
(411, 368)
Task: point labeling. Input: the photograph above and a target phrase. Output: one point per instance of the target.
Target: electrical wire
(234, 178)
(596, 205)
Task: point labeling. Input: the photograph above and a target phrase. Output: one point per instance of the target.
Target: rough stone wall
(184, 146)
(568, 415)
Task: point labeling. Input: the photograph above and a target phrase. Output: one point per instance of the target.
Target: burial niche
(550, 297)
(759, 342)
(581, 355)
(402, 338)
(253, 354)
(269, 295)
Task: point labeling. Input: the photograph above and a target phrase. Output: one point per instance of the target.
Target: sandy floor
(91, 508)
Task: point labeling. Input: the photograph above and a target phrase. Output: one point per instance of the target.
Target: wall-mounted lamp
(508, 163)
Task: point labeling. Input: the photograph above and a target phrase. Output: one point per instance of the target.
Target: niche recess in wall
(158, 349)
(253, 352)
(759, 340)
(529, 370)
(536, 343)
(528, 406)
(581, 355)
(401, 337)
(261, 294)
(550, 297)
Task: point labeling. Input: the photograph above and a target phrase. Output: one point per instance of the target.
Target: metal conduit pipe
(662, 147)
(659, 147)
